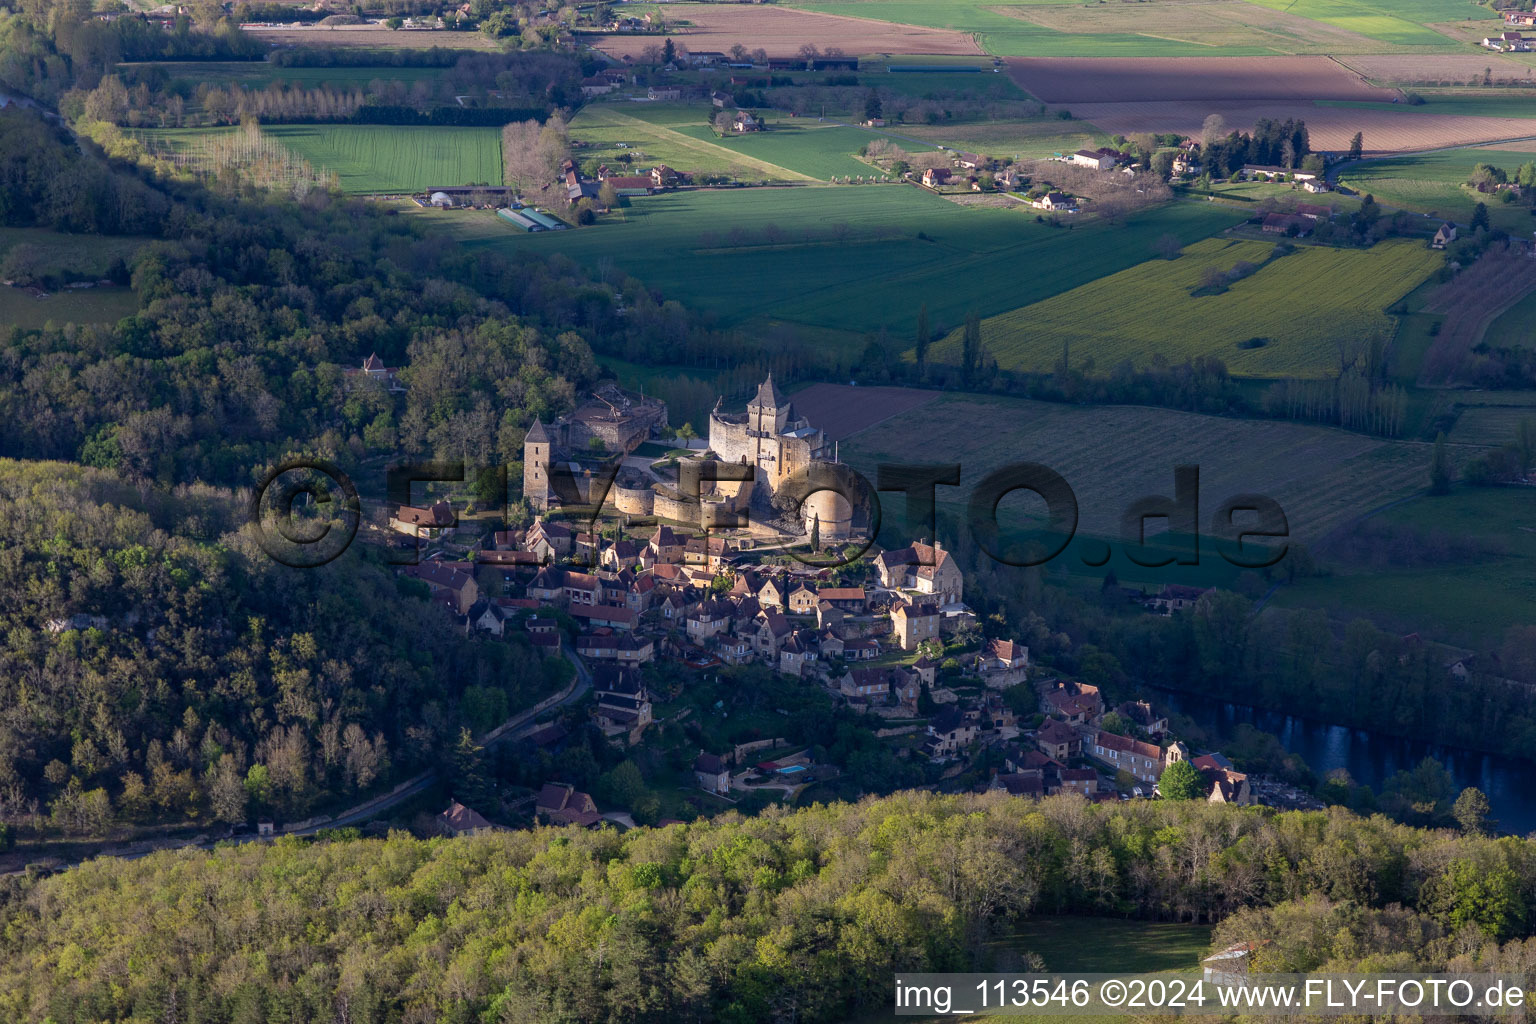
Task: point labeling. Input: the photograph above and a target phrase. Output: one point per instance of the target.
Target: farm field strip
(1330, 128)
(380, 158)
(1401, 22)
(714, 157)
(782, 31)
(1515, 327)
(1431, 183)
(1148, 311)
(816, 151)
(1321, 477)
(1472, 301)
(256, 73)
(1489, 424)
(1212, 79)
(1455, 68)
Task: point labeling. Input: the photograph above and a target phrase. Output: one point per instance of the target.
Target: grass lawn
(1431, 183)
(383, 158)
(1095, 945)
(83, 306)
(1515, 327)
(1149, 310)
(853, 259)
(1471, 603)
(802, 145)
(653, 133)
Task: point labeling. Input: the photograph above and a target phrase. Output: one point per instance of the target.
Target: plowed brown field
(782, 32)
(1435, 68)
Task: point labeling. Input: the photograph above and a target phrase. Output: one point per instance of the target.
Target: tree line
(791, 915)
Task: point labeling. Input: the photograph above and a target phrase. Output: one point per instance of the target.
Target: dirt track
(782, 31)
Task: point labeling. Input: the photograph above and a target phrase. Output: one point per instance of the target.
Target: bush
(1253, 343)
(1064, 114)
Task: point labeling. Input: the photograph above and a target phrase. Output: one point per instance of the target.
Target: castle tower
(536, 467)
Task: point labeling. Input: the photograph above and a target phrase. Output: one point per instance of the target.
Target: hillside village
(650, 599)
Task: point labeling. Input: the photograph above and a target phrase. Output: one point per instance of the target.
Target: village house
(913, 624)
(1287, 224)
(1316, 185)
(1140, 714)
(1095, 158)
(373, 370)
(1058, 740)
(1031, 786)
(1515, 17)
(829, 617)
(771, 632)
(452, 583)
(933, 177)
(745, 122)
(548, 541)
(1186, 164)
(563, 804)
(802, 600)
(1072, 708)
(970, 161)
(712, 773)
(426, 523)
(924, 568)
(666, 546)
(623, 647)
(798, 653)
(604, 615)
(847, 599)
(1312, 211)
(623, 704)
(1002, 663)
(1144, 761)
(663, 92)
(771, 594)
(596, 87)
(709, 618)
(719, 99)
(459, 820)
(1083, 781)
(1224, 783)
(1175, 597)
(1444, 236)
(949, 733)
(1055, 201)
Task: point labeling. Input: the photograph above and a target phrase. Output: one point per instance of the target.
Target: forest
(791, 915)
(160, 667)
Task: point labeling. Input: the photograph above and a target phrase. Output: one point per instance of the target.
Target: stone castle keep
(772, 437)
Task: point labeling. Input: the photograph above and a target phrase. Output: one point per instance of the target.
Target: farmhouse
(933, 177)
(1316, 185)
(925, 568)
(596, 86)
(1445, 235)
(1314, 212)
(1287, 224)
(664, 92)
(1520, 18)
(431, 523)
(630, 184)
(1055, 201)
(970, 161)
(1097, 159)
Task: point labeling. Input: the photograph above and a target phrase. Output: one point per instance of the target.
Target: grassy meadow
(1469, 601)
(852, 259)
(84, 306)
(1152, 310)
(1431, 184)
(381, 158)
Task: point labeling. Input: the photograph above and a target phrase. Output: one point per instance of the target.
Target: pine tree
(1440, 467)
(970, 350)
(668, 52)
(469, 785)
(1480, 217)
(1356, 145)
(816, 533)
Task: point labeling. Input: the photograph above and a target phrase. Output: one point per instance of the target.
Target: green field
(83, 306)
(83, 255)
(382, 158)
(1016, 137)
(1149, 311)
(1515, 327)
(257, 73)
(1093, 945)
(1049, 28)
(849, 258)
(1431, 183)
(1471, 603)
(793, 149)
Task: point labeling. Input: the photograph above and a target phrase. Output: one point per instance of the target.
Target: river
(1370, 758)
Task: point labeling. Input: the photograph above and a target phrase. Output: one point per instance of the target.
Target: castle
(619, 420)
(772, 437)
